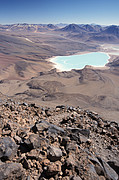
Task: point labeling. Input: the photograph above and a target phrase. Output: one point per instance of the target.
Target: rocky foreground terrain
(56, 143)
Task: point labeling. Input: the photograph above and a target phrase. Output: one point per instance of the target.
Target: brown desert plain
(27, 74)
(54, 124)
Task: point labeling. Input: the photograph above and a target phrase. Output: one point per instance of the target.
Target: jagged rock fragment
(8, 148)
(54, 153)
(12, 171)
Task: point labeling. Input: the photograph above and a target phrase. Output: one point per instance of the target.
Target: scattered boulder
(59, 143)
(10, 171)
(34, 141)
(40, 126)
(55, 129)
(97, 165)
(114, 165)
(8, 148)
(109, 172)
(85, 132)
(53, 168)
(45, 126)
(92, 173)
(54, 153)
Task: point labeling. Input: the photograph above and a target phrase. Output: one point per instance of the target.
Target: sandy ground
(25, 74)
(88, 88)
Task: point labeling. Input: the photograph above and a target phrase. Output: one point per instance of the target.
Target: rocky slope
(56, 143)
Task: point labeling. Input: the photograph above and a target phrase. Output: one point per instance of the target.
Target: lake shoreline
(59, 67)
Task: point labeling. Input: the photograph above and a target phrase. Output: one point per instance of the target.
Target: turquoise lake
(66, 63)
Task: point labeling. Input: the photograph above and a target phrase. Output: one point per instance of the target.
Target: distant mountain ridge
(27, 27)
(73, 28)
(93, 28)
(82, 27)
(70, 27)
(85, 32)
(112, 30)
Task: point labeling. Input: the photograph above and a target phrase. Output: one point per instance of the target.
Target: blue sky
(59, 11)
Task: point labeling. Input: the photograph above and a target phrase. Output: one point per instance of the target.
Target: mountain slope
(114, 30)
(92, 28)
(73, 28)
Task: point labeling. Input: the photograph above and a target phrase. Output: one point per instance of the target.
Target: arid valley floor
(26, 72)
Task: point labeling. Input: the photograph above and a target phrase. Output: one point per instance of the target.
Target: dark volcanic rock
(56, 143)
(114, 165)
(97, 165)
(45, 126)
(55, 129)
(8, 148)
(41, 126)
(53, 168)
(54, 153)
(34, 141)
(85, 132)
(109, 172)
(92, 172)
(10, 171)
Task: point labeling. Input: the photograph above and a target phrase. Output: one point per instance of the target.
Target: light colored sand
(28, 40)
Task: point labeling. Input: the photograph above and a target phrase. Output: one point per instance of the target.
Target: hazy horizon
(63, 11)
(59, 24)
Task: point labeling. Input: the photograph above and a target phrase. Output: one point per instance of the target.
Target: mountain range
(85, 32)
